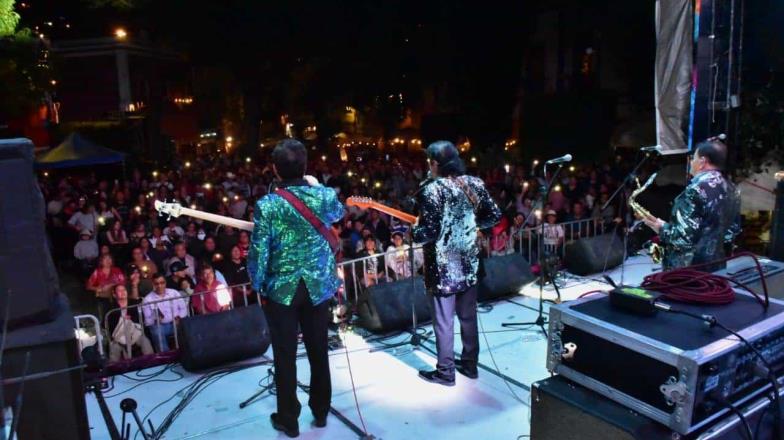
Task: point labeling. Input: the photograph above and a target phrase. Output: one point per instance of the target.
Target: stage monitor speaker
(387, 306)
(219, 338)
(595, 254)
(563, 410)
(28, 279)
(504, 275)
(53, 406)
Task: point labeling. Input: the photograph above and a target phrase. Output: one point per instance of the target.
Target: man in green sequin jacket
(293, 267)
(705, 216)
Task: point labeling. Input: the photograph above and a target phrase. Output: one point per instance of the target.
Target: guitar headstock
(360, 202)
(171, 209)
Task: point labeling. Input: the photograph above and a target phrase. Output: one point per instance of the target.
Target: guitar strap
(307, 214)
(472, 198)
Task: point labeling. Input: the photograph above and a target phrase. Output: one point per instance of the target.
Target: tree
(9, 19)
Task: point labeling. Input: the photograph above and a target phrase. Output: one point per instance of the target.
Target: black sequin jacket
(704, 217)
(447, 228)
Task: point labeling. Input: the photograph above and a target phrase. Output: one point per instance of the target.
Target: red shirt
(214, 297)
(101, 279)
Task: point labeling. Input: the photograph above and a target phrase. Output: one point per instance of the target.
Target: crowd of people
(106, 230)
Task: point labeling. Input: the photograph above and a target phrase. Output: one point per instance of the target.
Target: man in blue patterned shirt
(705, 216)
(293, 266)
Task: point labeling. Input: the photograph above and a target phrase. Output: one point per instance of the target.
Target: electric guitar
(368, 203)
(176, 210)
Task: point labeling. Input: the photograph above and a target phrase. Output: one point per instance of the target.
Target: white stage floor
(394, 402)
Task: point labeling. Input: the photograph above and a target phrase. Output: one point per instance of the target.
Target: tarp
(76, 151)
(674, 42)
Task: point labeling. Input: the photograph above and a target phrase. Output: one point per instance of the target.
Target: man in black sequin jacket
(452, 206)
(705, 216)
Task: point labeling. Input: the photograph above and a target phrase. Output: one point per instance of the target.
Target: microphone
(656, 148)
(563, 159)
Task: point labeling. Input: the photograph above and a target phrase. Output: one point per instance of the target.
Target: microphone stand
(632, 174)
(540, 319)
(416, 338)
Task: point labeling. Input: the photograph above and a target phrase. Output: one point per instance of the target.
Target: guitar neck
(404, 216)
(220, 219)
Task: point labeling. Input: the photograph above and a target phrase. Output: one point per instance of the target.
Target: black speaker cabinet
(28, 279)
(52, 406)
(387, 306)
(595, 254)
(219, 338)
(563, 410)
(777, 232)
(504, 275)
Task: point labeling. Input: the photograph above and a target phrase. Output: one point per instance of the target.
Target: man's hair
(447, 157)
(157, 275)
(715, 152)
(290, 158)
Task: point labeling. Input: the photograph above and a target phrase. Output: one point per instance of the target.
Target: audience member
(125, 326)
(163, 308)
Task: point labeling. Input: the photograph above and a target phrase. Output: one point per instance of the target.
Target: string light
(193, 206)
(350, 174)
(473, 160)
(557, 187)
(207, 186)
(225, 199)
(571, 168)
(323, 158)
(120, 33)
(247, 159)
(154, 174)
(187, 164)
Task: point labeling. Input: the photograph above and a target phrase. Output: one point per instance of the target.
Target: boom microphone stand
(629, 177)
(545, 192)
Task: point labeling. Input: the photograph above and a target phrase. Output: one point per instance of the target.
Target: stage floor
(394, 402)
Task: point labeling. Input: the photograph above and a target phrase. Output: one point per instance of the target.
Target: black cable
(771, 377)
(762, 417)
(740, 415)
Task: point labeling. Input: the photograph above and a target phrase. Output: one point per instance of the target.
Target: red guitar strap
(307, 214)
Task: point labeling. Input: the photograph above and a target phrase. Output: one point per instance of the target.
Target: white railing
(186, 299)
(85, 338)
(526, 241)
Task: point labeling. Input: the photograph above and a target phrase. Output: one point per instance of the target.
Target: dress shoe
(435, 377)
(467, 369)
(289, 431)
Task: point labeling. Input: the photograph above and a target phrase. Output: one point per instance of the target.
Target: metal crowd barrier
(526, 241)
(84, 338)
(361, 273)
(186, 299)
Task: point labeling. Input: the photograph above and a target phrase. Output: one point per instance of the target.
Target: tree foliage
(9, 19)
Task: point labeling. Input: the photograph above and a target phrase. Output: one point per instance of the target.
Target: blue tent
(76, 151)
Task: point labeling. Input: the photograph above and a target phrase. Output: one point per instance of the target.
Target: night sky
(328, 53)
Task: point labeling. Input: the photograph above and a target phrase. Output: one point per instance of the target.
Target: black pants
(444, 309)
(284, 323)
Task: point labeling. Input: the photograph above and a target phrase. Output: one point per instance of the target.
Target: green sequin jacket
(286, 248)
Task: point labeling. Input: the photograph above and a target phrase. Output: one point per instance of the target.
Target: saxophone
(656, 251)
